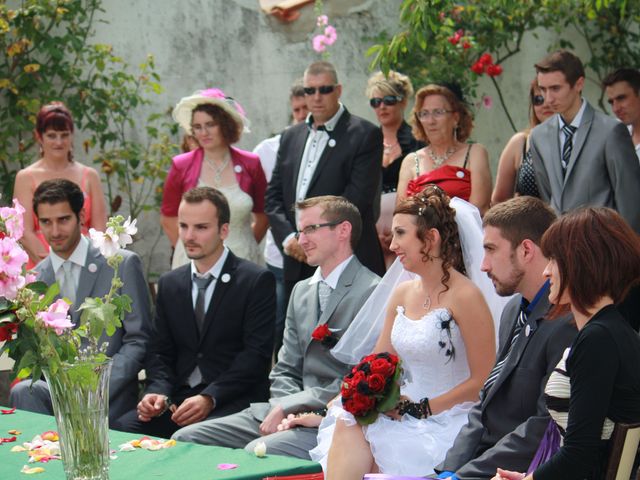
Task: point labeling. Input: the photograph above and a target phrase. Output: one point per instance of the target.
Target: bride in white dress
(441, 327)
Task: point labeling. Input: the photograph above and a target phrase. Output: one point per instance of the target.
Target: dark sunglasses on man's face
(324, 90)
(537, 100)
(388, 100)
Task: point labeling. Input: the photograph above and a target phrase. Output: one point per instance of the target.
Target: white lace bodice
(432, 352)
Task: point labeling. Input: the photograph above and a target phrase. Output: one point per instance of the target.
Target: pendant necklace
(217, 170)
(427, 303)
(388, 147)
(438, 160)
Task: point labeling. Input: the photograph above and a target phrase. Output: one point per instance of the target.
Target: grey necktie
(493, 375)
(568, 131)
(324, 292)
(68, 287)
(202, 283)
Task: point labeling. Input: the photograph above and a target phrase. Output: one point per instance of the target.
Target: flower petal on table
(227, 466)
(8, 412)
(31, 470)
(14, 432)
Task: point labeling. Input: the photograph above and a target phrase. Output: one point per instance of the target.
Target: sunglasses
(324, 90)
(537, 100)
(388, 100)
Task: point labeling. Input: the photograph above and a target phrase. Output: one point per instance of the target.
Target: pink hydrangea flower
(12, 218)
(57, 316)
(319, 43)
(330, 35)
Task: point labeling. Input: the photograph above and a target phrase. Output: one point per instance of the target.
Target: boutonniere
(326, 336)
(225, 278)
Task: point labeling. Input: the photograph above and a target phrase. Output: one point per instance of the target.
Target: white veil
(362, 334)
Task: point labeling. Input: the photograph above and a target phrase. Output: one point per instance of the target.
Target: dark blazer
(505, 428)
(128, 345)
(351, 168)
(603, 169)
(235, 348)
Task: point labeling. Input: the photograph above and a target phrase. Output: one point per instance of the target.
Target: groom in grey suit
(58, 205)
(507, 424)
(581, 157)
(306, 375)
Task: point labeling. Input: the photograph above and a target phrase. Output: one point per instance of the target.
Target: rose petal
(227, 466)
(126, 447)
(8, 412)
(18, 448)
(7, 440)
(31, 470)
(14, 432)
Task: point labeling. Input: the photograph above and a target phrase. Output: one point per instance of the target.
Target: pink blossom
(322, 20)
(9, 285)
(319, 43)
(12, 218)
(30, 277)
(213, 93)
(12, 257)
(57, 316)
(487, 102)
(330, 35)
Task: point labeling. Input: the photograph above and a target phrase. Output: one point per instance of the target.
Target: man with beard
(210, 351)
(505, 427)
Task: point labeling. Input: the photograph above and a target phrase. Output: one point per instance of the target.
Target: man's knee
(32, 397)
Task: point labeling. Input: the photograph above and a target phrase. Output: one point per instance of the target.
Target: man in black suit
(211, 347)
(332, 153)
(505, 427)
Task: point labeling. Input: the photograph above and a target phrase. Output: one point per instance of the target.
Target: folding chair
(623, 448)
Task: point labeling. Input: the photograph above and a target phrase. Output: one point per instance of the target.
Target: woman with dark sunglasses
(388, 97)
(515, 171)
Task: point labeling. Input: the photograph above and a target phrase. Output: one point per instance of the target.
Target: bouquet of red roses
(372, 387)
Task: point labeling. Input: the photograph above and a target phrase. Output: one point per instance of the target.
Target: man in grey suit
(82, 272)
(507, 424)
(581, 157)
(306, 375)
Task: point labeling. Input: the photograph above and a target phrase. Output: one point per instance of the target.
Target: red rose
(360, 404)
(7, 331)
(494, 70)
(477, 68)
(466, 45)
(376, 382)
(320, 332)
(382, 367)
(485, 59)
(367, 359)
(347, 390)
(453, 40)
(357, 378)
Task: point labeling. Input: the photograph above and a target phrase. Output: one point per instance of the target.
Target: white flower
(106, 242)
(130, 229)
(260, 449)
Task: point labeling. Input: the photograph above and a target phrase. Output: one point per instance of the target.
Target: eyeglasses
(324, 90)
(537, 100)
(198, 127)
(309, 229)
(388, 100)
(438, 113)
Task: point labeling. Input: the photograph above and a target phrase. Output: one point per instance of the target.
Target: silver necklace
(217, 170)
(388, 147)
(438, 160)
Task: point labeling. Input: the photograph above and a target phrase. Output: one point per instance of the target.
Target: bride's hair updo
(431, 209)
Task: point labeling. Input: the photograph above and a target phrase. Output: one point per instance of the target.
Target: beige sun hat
(184, 109)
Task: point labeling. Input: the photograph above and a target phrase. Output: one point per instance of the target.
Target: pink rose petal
(227, 466)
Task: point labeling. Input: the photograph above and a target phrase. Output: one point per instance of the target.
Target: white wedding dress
(434, 361)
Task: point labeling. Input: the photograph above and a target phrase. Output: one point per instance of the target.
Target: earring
(455, 134)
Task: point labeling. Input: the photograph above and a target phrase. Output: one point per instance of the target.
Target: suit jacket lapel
(518, 349)
(551, 156)
(581, 136)
(88, 277)
(335, 135)
(221, 288)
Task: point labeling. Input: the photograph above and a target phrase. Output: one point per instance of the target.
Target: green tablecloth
(184, 461)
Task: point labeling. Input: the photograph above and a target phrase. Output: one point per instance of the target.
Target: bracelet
(421, 409)
(167, 405)
(321, 412)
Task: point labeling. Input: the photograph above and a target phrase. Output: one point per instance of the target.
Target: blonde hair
(394, 83)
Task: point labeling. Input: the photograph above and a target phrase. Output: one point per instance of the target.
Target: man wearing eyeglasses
(306, 376)
(332, 153)
(581, 157)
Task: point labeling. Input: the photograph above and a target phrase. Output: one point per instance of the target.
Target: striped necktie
(493, 375)
(324, 292)
(569, 131)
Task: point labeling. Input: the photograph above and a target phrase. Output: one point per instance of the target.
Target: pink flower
(12, 257)
(9, 286)
(330, 35)
(319, 43)
(213, 93)
(487, 102)
(322, 20)
(30, 277)
(12, 218)
(57, 316)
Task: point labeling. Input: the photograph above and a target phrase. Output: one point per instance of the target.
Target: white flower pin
(460, 174)
(237, 169)
(93, 268)
(225, 278)
(332, 143)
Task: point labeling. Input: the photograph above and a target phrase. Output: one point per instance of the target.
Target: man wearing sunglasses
(332, 153)
(581, 157)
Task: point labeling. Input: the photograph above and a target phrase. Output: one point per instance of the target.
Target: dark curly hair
(230, 130)
(431, 209)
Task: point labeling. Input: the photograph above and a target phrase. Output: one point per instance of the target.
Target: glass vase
(80, 397)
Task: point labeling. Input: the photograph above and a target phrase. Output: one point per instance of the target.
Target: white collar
(215, 269)
(79, 255)
(333, 277)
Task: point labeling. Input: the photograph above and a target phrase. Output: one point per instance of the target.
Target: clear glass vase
(80, 397)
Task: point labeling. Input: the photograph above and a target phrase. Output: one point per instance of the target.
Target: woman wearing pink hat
(217, 121)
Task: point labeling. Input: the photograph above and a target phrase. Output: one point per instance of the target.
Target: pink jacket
(185, 172)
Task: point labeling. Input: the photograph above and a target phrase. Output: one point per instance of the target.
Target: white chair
(622, 451)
